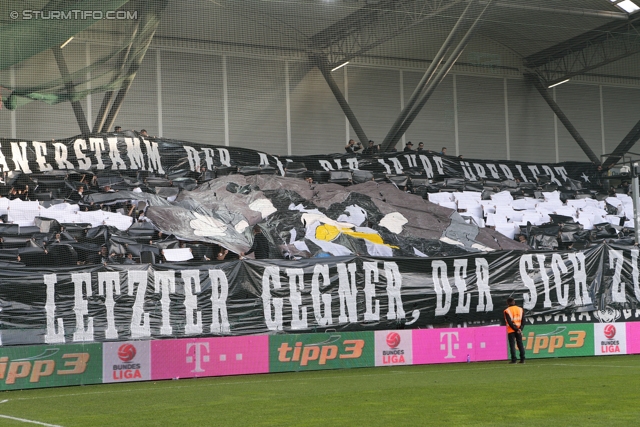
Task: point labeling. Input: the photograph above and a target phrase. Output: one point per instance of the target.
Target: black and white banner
(110, 302)
(119, 152)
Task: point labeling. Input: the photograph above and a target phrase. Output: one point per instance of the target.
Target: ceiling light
(339, 66)
(628, 6)
(557, 84)
(66, 43)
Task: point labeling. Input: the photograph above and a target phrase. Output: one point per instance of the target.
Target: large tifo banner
(130, 152)
(143, 302)
(126, 361)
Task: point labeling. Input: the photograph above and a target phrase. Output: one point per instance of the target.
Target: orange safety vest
(515, 313)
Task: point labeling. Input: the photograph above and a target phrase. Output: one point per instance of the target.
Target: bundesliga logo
(126, 371)
(393, 339)
(393, 355)
(611, 345)
(126, 352)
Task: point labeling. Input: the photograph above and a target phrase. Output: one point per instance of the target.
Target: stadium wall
(284, 106)
(41, 366)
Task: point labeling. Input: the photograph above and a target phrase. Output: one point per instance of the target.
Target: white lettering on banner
(280, 166)
(81, 307)
(114, 155)
(264, 160)
(84, 163)
(326, 165)
(209, 155)
(225, 158)
(485, 302)
(110, 280)
(438, 161)
(271, 275)
(61, 155)
(3, 162)
(40, 148)
(52, 336)
(353, 163)
(165, 283)
(467, 174)
(426, 165)
(219, 294)
(534, 171)
(394, 287)
(140, 326)
(460, 275)
(472, 177)
(97, 146)
(562, 172)
(548, 170)
(192, 278)
(616, 261)
(19, 156)
(530, 299)
(482, 173)
(545, 280)
(524, 177)
(321, 270)
(338, 163)
(562, 290)
(136, 158)
(296, 284)
(635, 273)
(441, 285)
(193, 157)
(411, 160)
(494, 171)
(507, 172)
(371, 276)
(347, 292)
(580, 278)
(386, 166)
(153, 157)
(396, 165)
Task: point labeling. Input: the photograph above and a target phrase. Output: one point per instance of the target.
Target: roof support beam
(435, 82)
(323, 65)
(69, 85)
(426, 78)
(593, 49)
(563, 118)
(372, 25)
(623, 148)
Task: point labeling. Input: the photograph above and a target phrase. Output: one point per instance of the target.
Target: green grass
(598, 391)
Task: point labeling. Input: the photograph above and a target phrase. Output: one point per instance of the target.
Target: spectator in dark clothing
(443, 152)
(409, 146)
(352, 147)
(260, 245)
(371, 149)
(420, 146)
(77, 195)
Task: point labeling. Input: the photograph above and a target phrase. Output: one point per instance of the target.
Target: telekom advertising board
(209, 357)
(451, 345)
(633, 337)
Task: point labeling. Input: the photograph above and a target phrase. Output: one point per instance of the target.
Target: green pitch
(597, 391)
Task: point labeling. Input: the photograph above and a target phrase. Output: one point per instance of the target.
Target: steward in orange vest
(514, 318)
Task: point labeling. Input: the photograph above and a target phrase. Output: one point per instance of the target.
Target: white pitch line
(28, 421)
(5, 401)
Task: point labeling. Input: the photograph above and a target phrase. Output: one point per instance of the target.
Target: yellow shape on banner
(329, 232)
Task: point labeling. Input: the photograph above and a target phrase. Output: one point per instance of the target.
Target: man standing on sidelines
(514, 317)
